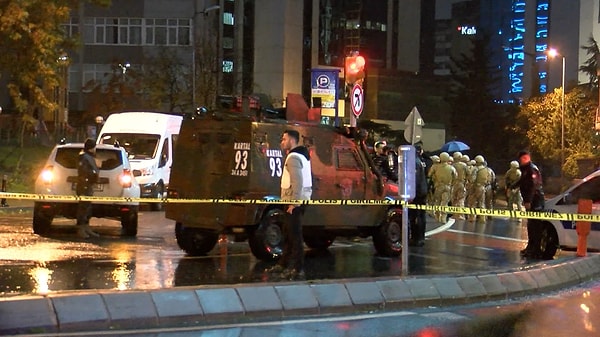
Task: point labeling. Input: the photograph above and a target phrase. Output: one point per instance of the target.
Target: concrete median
(208, 305)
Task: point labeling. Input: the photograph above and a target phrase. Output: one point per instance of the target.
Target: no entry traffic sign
(357, 100)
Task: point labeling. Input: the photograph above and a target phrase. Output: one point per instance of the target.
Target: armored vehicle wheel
(266, 242)
(129, 223)
(548, 241)
(42, 219)
(195, 241)
(159, 193)
(318, 238)
(387, 239)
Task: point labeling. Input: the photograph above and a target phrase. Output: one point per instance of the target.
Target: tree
(541, 120)
(117, 91)
(476, 119)
(167, 82)
(32, 43)
(207, 68)
(591, 66)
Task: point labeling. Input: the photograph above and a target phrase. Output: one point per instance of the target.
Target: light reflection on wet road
(33, 264)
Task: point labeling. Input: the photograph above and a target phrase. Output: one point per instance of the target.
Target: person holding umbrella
(454, 146)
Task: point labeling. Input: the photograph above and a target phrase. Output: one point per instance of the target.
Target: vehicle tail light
(47, 175)
(172, 194)
(126, 178)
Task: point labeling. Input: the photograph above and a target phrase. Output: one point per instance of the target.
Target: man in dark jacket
(418, 218)
(87, 176)
(530, 185)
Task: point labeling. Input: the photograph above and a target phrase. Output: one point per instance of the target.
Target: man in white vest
(296, 184)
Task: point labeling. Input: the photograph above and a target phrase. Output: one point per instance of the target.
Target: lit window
(228, 19)
(227, 66)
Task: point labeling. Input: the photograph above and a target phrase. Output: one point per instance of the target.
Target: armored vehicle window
(347, 159)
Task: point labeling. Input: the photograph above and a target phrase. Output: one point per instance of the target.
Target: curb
(208, 305)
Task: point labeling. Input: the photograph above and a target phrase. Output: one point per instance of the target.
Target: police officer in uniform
(379, 157)
(459, 191)
(443, 178)
(87, 176)
(530, 185)
(418, 218)
(480, 179)
(490, 188)
(511, 182)
(435, 163)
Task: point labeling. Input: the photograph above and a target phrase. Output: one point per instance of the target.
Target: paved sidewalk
(208, 305)
(14, 206)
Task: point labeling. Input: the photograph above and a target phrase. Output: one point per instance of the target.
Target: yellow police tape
(544, 215)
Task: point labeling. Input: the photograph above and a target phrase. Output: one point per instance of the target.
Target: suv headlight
(47, 175)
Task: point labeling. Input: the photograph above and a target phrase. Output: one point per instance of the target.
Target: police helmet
(457, 155)
(479, 159)
(465, 158)
(514, 164)
(435, 159)
(444, 157)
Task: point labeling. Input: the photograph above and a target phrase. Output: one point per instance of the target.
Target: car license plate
(97, 187)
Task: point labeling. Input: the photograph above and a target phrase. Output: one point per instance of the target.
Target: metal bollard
(584, 206)
(3, 202)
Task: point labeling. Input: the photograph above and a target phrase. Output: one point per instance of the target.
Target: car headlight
(47, 175)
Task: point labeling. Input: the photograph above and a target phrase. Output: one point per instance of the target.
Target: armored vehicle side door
(346, 179)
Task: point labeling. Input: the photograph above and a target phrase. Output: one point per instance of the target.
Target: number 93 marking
(275, 166)
(241, 159)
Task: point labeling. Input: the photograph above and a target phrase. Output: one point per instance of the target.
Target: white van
(149, 139)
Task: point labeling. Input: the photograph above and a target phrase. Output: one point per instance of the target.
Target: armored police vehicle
(232, 156)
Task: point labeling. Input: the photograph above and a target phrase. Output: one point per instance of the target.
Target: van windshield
(137, 145)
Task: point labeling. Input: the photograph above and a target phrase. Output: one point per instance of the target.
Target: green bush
(21, 165)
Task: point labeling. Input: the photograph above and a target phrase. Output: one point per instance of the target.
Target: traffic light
(354, 69)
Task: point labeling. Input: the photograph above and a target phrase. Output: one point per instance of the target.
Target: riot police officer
(443, 178)
(490, 188)
(479, 180)
(459, 191)
(511, 182)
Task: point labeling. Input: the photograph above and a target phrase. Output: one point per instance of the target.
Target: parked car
(562, 233)
(59, 177)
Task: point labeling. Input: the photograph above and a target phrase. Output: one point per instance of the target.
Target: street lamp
(124, 67)
(554, 53)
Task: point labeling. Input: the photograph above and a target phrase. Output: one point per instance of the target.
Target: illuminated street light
(554, 53)
(124, 67)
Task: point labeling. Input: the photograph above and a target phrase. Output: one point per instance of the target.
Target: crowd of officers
(457, 180)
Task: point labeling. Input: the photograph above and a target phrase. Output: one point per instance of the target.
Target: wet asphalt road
(31, 264)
